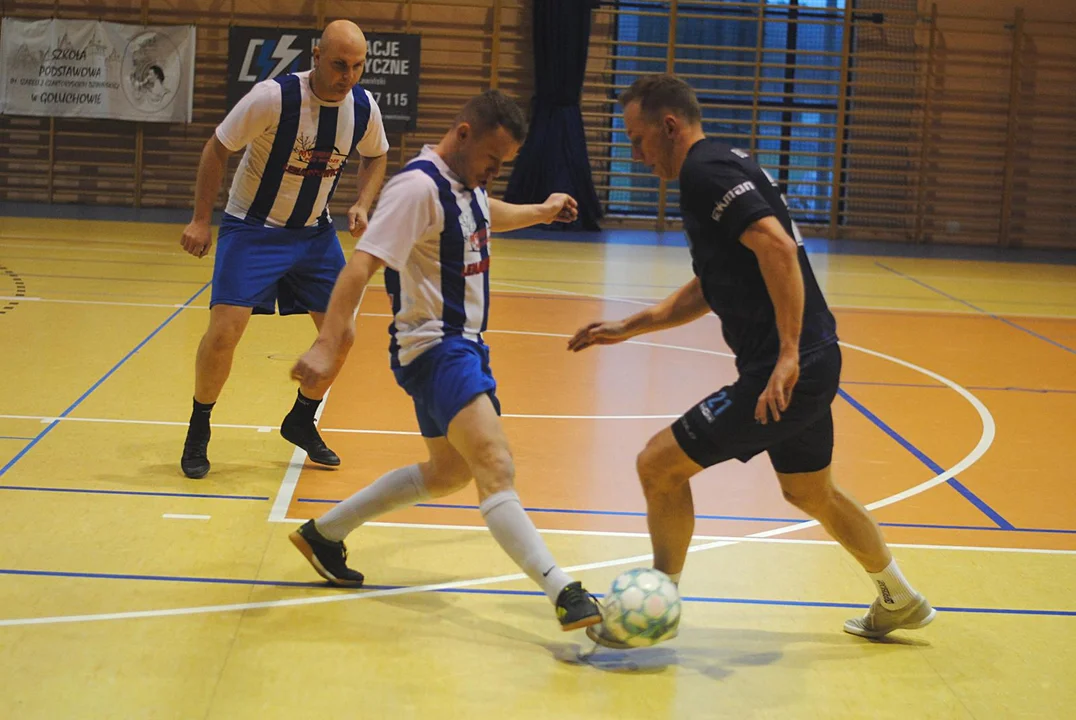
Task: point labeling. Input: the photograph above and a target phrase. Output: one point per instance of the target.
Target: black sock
(200, 415)
(304, 408)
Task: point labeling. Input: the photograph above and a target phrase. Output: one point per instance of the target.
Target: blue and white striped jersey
(433, 234)
(296, 148)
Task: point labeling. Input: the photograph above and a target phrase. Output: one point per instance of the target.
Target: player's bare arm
(197, 239)
(322, 362)
(778, 259)
(558, 207)
(371, 175)
(683, 306)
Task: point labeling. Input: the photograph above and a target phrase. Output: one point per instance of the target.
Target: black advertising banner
(392, 66)
(260, 53)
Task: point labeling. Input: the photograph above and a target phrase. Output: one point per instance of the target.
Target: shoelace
(574, 594)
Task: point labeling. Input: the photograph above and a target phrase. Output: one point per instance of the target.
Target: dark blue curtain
(554, 156)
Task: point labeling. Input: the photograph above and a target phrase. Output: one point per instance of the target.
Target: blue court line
(573, 511)
(615, 513)
(939, 386)
(921, 456)
(148, 493)
(779, 603)
(980, 503)
(499, 591)
(22, 453)
(978, 309)
(733, 518)
(992, 528)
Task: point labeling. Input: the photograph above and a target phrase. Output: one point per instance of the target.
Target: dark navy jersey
(722, 192)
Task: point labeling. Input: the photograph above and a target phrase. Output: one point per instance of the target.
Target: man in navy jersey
(432, 232)
(277, 245)
(751, 270)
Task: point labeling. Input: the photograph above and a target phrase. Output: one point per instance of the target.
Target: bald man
(277, 247)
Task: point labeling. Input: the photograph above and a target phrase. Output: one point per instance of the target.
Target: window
(790, 124)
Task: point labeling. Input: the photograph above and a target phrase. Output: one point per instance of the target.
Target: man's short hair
(658, 94)
(493, 109)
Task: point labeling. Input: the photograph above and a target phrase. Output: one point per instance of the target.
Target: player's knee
(811, 499)
(444, 479)
(654, 473)
(223, 337)
(493, 466)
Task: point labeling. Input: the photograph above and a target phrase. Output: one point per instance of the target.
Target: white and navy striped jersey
(296, 148)
(433, 234)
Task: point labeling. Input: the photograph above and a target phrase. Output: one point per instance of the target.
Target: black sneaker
(306, 436)
(194, 462)
(576, 608)
(328, 558)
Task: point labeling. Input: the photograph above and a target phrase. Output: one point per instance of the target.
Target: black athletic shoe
(194, 462)
(576, 608)
(306, 436)
(328, 558)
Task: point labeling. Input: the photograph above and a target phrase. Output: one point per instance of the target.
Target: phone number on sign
(391, 99)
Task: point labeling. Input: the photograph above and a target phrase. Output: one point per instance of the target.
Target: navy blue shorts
(260, 267)
(444, 379)
(723, 425)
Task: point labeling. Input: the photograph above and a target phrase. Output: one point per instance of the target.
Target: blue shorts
(444, 379)
(259, 267)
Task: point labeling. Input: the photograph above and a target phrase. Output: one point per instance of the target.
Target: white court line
(956, 310)
(80, 246)
(103, 302)
(555, 291)
(984, 443)
(644, 343)
(627, 260)
(339, 596)
(47, 419)
(521, 416)
(992, 281)
(181, 516)
(286, 490)
(560, 261)
(732, 539)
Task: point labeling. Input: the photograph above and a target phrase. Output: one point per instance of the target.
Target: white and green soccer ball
(642, 608)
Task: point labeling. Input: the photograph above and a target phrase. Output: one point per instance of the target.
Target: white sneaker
(879, 621)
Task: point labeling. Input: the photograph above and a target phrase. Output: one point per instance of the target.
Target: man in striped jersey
(277, 244)
(432, 230)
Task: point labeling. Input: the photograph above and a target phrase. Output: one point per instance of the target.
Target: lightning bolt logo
(282, 51)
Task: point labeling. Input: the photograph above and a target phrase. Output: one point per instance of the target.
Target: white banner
(93, 69)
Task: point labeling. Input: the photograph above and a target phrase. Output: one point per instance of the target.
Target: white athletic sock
(893, 590)
(516, 534)
(675, 577)
(398, 488)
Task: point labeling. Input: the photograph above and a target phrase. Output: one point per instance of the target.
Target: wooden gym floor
(128, 591)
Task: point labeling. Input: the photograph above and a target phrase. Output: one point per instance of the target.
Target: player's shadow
(716, 653)
(286, 465)
(649, 660)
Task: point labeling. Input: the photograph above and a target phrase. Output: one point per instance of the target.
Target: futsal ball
(642, 608)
